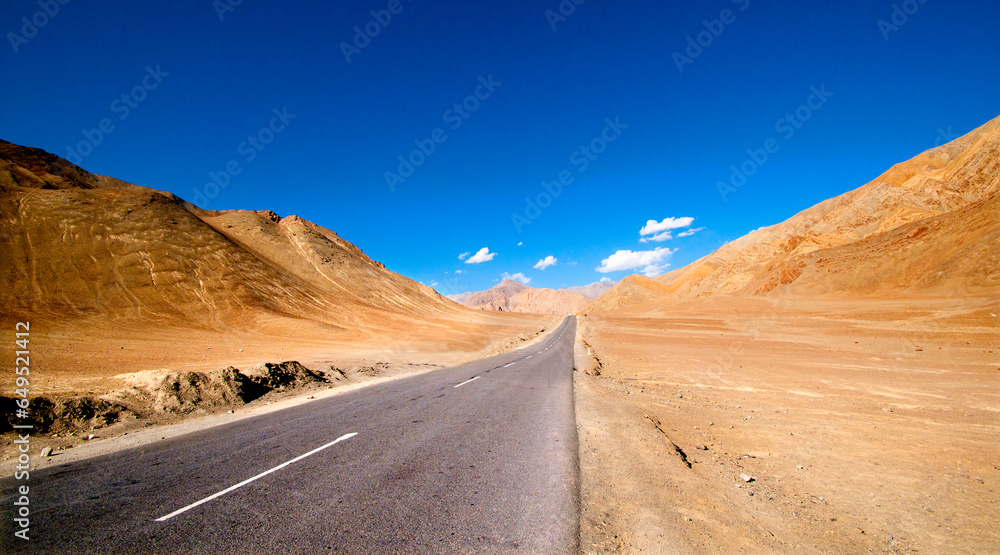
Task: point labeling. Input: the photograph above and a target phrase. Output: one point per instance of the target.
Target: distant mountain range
(513, 296)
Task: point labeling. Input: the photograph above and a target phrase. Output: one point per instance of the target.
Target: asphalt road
(439, 464)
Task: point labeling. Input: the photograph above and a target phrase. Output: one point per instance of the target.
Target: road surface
(476, 458)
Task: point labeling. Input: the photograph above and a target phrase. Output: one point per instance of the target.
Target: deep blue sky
(938, 72)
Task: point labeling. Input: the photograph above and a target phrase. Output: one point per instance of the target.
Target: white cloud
(690, 232)
(653, 262)
(434, 284)
(464, 255)
(459, 272)
(605, 279)
(653, 226)
(546, 262)
(663, 236)
(519, 243)
(516, 277)
(483, 255)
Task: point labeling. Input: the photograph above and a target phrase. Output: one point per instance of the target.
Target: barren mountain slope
(33, 168)
(320, 257)
(629, 291)
(940, 189)
(83, 245)
(928, 226)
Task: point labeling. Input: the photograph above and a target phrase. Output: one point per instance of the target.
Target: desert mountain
(119, 280)
(591, 291)
(631, 290)
(513, 296)
(77, 244)
(927, 226)
(496, 297)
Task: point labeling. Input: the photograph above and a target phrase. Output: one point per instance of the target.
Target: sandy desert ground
(809, 426)
(67, 360)
(110, 362)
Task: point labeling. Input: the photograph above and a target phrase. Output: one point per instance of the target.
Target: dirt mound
(175, 393)
(63, 414)
(184, 392)
(270, 376)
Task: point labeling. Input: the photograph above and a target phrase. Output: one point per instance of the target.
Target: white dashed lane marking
(261, 475)
(467, 381)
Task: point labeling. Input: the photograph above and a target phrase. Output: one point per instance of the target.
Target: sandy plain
(779, 425)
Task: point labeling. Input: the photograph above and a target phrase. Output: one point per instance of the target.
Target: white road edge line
(467, 381)
(261, 475)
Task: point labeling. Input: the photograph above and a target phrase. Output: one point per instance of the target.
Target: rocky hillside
(629, 291)
(76, 244)
(927, 226)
